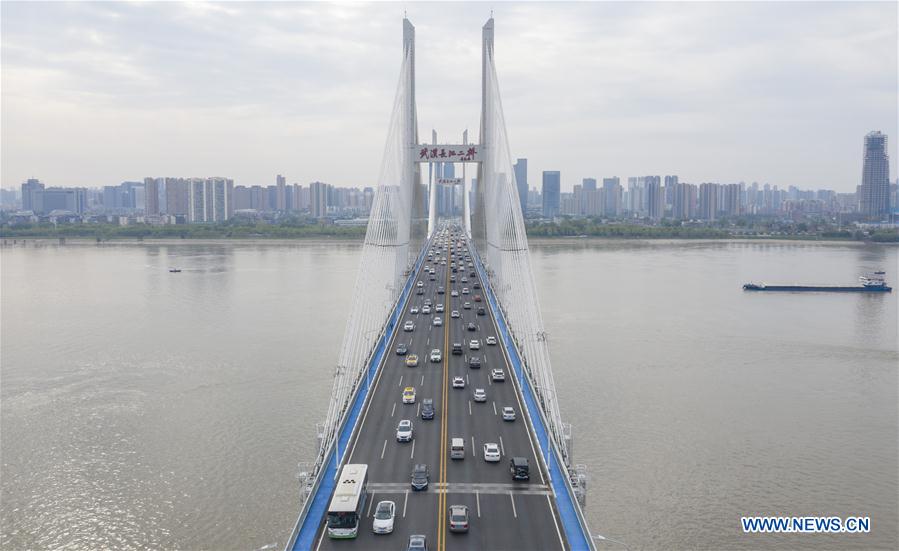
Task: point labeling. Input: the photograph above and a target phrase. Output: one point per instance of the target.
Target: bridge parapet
(569, 484)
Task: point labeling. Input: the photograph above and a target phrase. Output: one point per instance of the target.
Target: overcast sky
(97, 93)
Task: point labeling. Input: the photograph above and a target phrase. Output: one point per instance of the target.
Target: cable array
(385, 262)
(506, 256)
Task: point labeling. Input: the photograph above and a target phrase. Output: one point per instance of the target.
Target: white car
(467, 306)
(436, 355)
(464, 290)
(454, 314)
(458, 382)
(454, 293)
(508, 414)
(438, 308)
(409, 326)
(475, 344)
(498, 375)
(491, 452)
(413, 310)
(438, 321)
(480, 395)
(385, 512)
(404, 431)
(425, 309)
(491, 340)
(420, 284)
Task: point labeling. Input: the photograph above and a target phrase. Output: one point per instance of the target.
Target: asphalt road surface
(504, 514)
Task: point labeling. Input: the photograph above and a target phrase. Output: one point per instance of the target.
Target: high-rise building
(151, 196)
(258, 199)
(241, 197)
(655, 197)
(591, 198)
(280, 193)
(874, 197)
(318, 199)
(534, 197)
(211, 199)
(685, 197)
(708, 201)
(552, 184)
(112, 198)
(197, 190)
(670, 190)
(32, 195)
(521, 181)
(731, 205)
(636, 196)
(177, 197)
(611, 196)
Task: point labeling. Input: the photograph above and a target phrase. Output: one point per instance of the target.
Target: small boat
(870, 283)
(175, 270)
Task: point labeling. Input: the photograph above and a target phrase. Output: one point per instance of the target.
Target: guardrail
(303, 535)
(573, 521)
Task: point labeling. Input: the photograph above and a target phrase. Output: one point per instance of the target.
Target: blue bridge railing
(313, 512)
(573, 521)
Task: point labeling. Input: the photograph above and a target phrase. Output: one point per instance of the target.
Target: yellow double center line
(441, 493)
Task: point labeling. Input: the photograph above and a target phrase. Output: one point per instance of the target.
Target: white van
(457, 448)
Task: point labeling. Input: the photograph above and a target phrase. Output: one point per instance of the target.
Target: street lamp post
(544, 390)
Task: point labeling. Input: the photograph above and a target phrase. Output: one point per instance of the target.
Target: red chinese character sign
(449, 153)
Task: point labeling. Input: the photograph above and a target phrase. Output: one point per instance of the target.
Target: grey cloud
(778, 92)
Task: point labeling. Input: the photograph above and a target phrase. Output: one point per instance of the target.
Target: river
(143, 409)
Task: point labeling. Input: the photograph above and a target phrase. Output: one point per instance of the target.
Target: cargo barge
(871, 283)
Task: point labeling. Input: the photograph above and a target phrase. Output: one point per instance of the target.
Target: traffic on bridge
(448, 448)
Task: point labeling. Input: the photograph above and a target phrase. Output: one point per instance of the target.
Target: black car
(420, 477)
(519, 468)
(481, 311)
(427, 409)
(402, 349)
(474, 362)
(457, 348)
(472, 274)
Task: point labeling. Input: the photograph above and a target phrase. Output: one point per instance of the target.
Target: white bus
(348, 504)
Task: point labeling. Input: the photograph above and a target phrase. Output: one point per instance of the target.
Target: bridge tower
(403, 216)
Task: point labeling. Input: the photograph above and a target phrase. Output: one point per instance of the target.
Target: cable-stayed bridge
(460, 296)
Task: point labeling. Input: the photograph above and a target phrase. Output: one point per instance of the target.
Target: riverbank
(241, 232)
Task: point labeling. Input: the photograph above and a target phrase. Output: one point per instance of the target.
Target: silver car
(404, 431)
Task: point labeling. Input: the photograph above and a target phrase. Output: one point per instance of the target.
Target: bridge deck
(504, 514)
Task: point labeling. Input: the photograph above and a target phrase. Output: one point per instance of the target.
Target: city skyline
(287, 89)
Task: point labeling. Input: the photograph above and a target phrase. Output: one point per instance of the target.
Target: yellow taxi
(409, 395)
